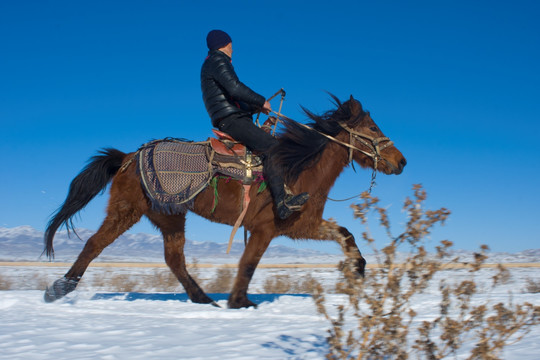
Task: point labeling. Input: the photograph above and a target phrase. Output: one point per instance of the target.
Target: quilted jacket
(223, 93)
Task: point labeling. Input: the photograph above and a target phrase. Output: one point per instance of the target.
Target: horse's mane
(298, 147)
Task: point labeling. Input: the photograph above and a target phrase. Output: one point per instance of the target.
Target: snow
(82, 328)
(93, 324)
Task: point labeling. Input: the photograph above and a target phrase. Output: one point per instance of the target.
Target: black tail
(92, 180)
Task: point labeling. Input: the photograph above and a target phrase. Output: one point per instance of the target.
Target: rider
(231, 105)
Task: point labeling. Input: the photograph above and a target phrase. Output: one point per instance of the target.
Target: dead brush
(161, 280)
(278, 284)
(122, 283)
(376, 320)
(285, 284)
(35, 281)
(532, 286)
(221, 282)
(195, 270)
(5, 283)
(306, 285)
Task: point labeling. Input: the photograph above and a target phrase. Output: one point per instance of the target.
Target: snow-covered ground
(89, 324)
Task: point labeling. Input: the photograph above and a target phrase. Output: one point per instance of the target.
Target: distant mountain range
(24, 243)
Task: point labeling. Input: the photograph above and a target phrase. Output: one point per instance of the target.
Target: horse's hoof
(361, 267)
(59, 289)
(240, 303)
(202, 298)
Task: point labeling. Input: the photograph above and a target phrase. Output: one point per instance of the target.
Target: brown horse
(312, 157)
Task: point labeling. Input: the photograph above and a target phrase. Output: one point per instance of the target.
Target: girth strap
(238, 222)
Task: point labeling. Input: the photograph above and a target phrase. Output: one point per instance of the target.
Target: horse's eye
(374, 129)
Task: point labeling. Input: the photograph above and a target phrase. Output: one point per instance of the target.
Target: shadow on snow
(132, 296)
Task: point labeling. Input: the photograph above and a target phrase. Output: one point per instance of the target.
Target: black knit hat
(217, 39)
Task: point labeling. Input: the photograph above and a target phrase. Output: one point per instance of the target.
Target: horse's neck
(319, 178)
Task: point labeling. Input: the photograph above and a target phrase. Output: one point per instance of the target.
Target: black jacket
(223, 94)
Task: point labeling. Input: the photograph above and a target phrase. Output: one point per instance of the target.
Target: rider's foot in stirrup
(290, 204)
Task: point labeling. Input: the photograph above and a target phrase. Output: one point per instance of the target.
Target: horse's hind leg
(121, 215)
(255, 248)
(173, 229)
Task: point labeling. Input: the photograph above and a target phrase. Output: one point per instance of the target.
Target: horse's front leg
(255, 248)
(331, 231)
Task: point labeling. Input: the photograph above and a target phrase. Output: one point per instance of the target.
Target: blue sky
(455, 84)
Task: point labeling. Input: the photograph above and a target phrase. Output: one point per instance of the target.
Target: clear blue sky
(455, 84)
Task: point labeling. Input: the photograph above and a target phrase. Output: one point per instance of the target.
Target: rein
(374, 146)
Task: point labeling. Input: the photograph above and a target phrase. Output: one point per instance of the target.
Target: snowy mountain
(25, 243)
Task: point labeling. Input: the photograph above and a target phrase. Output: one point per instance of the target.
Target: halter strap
(373, 145)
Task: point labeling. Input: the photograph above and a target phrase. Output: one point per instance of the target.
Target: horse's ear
(354, 106)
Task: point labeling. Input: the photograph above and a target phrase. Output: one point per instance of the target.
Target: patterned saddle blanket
(173, 172)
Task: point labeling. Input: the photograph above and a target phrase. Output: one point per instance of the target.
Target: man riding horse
(231, 105)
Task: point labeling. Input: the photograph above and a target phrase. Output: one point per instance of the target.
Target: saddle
(224, 144)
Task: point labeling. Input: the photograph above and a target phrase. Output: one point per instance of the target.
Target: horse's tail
(92, 180)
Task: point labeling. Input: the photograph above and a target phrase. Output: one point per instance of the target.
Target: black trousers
(242, 128)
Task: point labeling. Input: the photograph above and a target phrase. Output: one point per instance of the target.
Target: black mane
(298, 147)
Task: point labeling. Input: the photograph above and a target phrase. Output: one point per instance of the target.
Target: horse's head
(369, 147)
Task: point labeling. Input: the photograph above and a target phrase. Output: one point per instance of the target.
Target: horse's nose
(402, 163)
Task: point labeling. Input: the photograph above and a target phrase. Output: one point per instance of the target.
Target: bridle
(374, 146)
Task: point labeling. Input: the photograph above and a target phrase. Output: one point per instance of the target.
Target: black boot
(291, 203)
(286, 202)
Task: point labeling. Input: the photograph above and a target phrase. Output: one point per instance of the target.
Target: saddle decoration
(174, 171)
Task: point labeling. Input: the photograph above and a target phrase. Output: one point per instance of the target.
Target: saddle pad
(173, 172)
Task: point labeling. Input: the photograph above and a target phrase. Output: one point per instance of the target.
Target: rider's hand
(266, 108)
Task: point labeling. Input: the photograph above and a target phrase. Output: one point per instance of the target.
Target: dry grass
(5, 283)
(283, 284)
(160, 280)
(164, 280)
(533, 286)
(278, 284)
(122, 283)
(33, 281)
(222, 281)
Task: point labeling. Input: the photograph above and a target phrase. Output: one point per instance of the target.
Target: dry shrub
(222, 282)
(376, 321)
(283, 284)
(195, 271)
(307, 285)
(278, 284)
(533, 286)
(33, 281)
(5, 283)
(122, 283)
(41, 282)
(97, 282)
(161, 279)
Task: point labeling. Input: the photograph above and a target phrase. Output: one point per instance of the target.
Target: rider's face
(228, 49)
